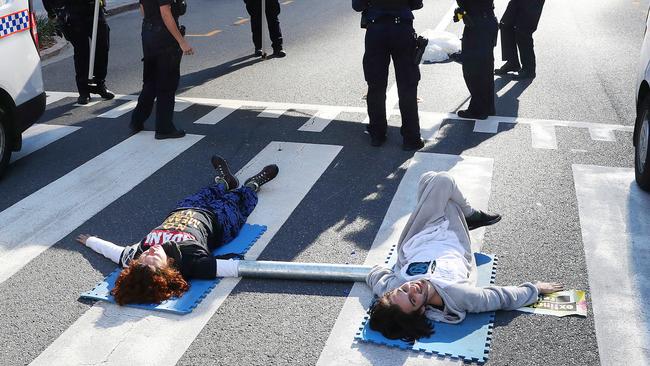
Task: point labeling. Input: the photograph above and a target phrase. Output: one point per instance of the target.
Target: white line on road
(53, 97)
(108, 334)
(602, 134)
(218, 114)
(320, 120)
(474, 177)
(616, 236)
(543, 136)
(87, 190)
(272, 112)
(119, 110)
(39, 136)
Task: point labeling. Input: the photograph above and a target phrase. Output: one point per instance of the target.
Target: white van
(22, 99)
(641, 127)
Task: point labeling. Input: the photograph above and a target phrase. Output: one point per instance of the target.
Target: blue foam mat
(199, 289)
(468, 341)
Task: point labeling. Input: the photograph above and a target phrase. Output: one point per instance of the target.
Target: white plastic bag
(440, 43)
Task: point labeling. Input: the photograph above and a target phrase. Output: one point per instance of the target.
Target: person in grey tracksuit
(434, 277)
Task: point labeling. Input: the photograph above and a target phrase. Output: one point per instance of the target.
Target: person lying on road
(435, 274)
(158, 267)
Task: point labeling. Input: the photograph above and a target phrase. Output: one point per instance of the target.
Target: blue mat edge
(88, 294)
(488, 340)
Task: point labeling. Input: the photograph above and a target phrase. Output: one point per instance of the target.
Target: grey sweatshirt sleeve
(381, 279)
(490, 298)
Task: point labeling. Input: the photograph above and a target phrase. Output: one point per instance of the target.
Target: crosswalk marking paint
(119, 110)
(87, 190)
(53, 97)
(271, 112)
(615, 233)
(181, 105)
(474, 177)
(430, 124)
(113, 335)
(39, 136)
(218, 114)
(602, 134)
(320, 120)
(598, 131)
(543, 136)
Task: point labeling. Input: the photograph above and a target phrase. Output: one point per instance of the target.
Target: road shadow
(191, 80)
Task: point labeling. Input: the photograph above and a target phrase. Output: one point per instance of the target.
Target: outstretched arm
(491, 298)
(103, 247)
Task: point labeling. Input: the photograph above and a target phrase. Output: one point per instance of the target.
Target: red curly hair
(140, 283)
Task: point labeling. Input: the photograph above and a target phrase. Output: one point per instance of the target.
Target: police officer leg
(526, 49)
(144, 107)
(167, 75)
(407, 75)
(272, 13)
(80, 42)
(101, 59)
(253, 7)
(376, 60)
(508, 41)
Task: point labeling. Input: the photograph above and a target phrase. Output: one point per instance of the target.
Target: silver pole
(93, 42)
(303, 271)
(264, 28)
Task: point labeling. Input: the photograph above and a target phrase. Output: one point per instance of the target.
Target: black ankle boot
(100, 88)
(480, 218)
(266, 175)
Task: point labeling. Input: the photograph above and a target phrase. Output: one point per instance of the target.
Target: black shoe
(266, 175)
(506, 68)
(524, 75)
(258, 52)
(279, 53)
(100, 88)
(135, 127)
(411, 146)
(480, 218)
(377, 141)
(471, 115)
(176, 134)
(223, 172)
(83, 99)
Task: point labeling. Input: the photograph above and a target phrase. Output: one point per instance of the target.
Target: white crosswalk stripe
(87, 190)
(39, 136)
(474, 176)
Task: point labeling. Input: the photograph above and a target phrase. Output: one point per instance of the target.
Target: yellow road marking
(209, 34)
(241, 21)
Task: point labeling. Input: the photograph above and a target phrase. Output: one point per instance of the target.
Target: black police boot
(480, 218)
(506, 68)
(100, 88)
(264, 176)
(377, 141)
(83, 99)
(176, 134)
(413, 145)
(466, 113)
(525, 74)
(279, 53)
(258, 52)
(223, 173)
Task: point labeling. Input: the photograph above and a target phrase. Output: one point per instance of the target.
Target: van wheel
(641, 141)
(5, 142)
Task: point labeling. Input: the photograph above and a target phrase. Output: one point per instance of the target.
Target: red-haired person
(158, 267)
(435, 273)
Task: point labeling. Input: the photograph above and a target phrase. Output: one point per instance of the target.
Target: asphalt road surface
(557, 163)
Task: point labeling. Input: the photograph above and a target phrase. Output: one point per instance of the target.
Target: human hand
(82, 238)
(549, 287)
(187, 49)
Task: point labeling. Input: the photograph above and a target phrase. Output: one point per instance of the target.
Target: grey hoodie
(439, 198)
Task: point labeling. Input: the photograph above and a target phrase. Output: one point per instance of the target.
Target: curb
(61, 42)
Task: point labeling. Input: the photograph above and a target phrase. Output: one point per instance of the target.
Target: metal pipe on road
(303, 271)
(93, 42)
